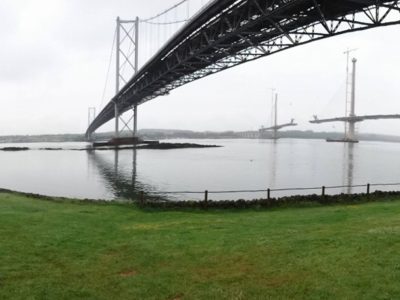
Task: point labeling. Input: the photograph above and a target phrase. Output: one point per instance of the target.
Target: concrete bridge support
(275, 134)
(135, 119)
(117, 116)
(351, 134)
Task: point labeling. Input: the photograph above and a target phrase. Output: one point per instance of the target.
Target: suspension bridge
(223, 34)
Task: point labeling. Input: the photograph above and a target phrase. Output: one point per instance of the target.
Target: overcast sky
(54, 56)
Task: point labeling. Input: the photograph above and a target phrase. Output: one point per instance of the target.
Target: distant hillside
(298, 134)
(162, 134)
(42, 138)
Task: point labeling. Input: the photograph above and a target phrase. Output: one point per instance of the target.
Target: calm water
(238, 165)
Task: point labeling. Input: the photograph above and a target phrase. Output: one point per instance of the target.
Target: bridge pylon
(275, 127)
(351, 133)
(91, 117)
(127, 65)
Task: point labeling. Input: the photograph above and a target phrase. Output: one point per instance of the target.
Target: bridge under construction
(276, 127)
(352, 118)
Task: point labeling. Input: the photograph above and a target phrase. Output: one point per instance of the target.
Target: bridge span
(227, 33)
(355, 119)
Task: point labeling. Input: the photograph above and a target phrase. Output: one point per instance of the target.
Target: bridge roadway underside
(227, 33)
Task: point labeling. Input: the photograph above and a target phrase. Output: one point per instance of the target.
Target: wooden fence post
(368, 188)
(323, 191)
(141, 198)
(269, 194)
(206, 199)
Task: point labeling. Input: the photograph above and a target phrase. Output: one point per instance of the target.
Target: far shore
(168, 134)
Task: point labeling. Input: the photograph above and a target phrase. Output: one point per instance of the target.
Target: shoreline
(296, 201)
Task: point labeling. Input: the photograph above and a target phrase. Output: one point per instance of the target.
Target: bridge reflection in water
(119, 171)
(348, 168)
(121, 179)
(279, 165)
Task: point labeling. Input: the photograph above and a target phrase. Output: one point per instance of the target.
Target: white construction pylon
(351, 134)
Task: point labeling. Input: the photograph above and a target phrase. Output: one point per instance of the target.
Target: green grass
(67, 250)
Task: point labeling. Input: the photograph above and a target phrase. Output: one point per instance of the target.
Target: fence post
(141, 198)
(206, 199)
(368, 188)
(323, 191)
(269, 194)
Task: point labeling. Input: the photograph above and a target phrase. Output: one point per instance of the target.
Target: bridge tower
(275, 134)
(274, 116)
(351, 134)
(91, 117)
(127, 57)
(348, 87)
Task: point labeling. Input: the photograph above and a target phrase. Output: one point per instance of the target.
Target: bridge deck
(279, 127)
(356, 119)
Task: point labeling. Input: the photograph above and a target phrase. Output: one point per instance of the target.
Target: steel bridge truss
(229, 33)
(127, 65)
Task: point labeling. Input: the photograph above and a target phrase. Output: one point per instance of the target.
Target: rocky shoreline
(160, 146)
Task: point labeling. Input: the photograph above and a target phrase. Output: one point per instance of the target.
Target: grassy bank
(67, 250)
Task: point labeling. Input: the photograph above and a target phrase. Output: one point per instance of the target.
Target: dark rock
(14, 149)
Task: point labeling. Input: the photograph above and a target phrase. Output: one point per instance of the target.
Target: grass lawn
(67, 250)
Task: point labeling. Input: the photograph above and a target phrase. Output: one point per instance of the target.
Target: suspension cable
(165, 11)
(109, 68)
(168, 23)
